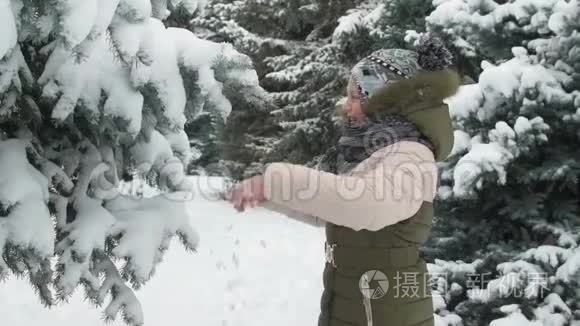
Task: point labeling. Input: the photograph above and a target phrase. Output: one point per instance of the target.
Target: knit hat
(389, 65)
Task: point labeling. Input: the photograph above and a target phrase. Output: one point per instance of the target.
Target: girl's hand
(249, 191)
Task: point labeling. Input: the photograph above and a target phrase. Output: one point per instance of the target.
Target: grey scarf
(359, 139)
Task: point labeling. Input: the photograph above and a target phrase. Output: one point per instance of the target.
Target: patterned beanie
(389, 65)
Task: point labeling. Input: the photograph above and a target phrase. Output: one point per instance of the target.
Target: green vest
(392, 251)
(397, 292)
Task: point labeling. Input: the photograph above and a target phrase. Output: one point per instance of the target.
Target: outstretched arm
(292, 213)
(388, 193)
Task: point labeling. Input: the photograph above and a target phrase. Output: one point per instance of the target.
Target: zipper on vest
(367, 301)
(368, 310)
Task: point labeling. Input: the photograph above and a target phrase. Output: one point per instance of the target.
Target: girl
(373, 192)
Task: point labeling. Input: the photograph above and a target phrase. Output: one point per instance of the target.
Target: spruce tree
(295, 72)
(504, 247)
(93, 94)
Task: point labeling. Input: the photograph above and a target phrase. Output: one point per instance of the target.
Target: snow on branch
(93, 93)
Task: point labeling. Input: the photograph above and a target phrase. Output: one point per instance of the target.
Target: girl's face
(352, 106)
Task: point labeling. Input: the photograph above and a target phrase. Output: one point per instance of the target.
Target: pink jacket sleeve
(386, 188)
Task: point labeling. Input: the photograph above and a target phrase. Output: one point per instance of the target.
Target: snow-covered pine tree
(306, 75)
(375, 24)
(251, 135)
(507, 220)
(211, 135)
(91, 94)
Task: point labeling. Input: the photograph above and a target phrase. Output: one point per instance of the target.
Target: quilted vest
(395, 292)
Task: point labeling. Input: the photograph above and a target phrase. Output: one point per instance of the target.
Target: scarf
(359, 139)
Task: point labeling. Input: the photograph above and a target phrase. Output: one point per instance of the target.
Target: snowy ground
(252, 269)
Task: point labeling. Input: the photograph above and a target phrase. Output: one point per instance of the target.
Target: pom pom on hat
(432, 54)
